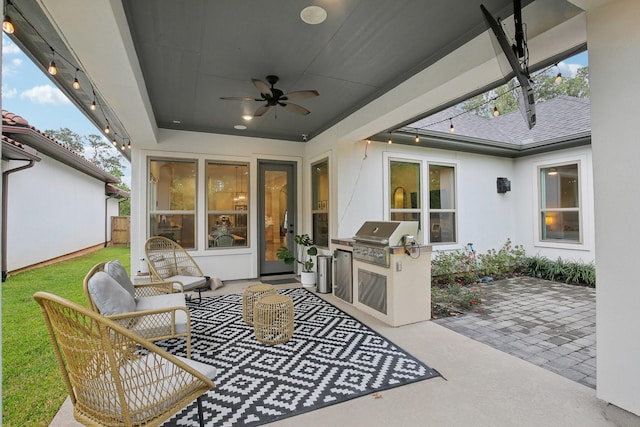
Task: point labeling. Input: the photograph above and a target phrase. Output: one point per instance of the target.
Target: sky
(28, 92)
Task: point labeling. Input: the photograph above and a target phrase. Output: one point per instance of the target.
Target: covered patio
(483, 386)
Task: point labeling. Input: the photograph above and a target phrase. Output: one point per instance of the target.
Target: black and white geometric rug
(331, 358)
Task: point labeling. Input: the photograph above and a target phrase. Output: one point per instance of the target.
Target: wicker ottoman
(273, 319)
(250, 295)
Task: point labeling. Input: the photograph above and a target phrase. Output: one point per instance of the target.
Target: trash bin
(323, 279)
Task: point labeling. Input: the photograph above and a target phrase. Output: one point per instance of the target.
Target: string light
(417, 139)
(114, 142)
(496, 112)
(123, 147)
(558, 79)
(451, 128)
(52, 69)
(368, 140)
(389, 141)
(7, 25)
(76, 83)
(129, 145)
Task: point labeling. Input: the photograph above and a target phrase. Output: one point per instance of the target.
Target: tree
(99, 152)
(70, 139)
(505, 97)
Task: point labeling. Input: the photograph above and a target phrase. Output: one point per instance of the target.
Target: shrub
(573, 272)
(463, 266)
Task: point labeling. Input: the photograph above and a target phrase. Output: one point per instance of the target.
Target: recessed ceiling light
(247, 117)
(177, 122)
(313, 15)
(240, 127)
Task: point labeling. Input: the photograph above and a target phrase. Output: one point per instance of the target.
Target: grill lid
(385, 233)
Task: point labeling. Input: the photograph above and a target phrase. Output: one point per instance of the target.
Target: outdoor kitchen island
(389, 281)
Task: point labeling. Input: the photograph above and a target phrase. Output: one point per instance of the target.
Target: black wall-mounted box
(504, 185)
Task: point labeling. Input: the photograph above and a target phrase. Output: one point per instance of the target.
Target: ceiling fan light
(313, 15)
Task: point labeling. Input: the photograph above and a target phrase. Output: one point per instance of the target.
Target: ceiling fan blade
(240, 98)
(301, 94)
(295, 108)
(262, 87)
(260, 111)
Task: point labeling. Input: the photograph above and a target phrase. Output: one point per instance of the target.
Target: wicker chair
(113, 376)
(158, 313)
(169, 262)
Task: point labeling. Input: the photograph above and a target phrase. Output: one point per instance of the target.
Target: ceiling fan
(273, 97)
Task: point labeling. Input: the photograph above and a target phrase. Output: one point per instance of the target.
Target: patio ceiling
(183, 56)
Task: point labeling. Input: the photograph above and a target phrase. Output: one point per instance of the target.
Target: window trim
(208, 212)
(326, 210)
(193, 212)
(455, 210)
(559, 243)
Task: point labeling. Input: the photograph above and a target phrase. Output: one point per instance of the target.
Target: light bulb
(558, 79)
(93, 106)
(247, 117)
(123, 147)
(389, 141)
(107, 129)
(114, 142)
(451, 128)
(7, 25)
(496, 112)
(417, 139)
(129, 145)
(53, 70)
(368, 140)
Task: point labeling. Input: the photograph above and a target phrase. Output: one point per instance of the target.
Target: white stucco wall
(226, 264)
(525, 191)
(614, 61)
(53, 210)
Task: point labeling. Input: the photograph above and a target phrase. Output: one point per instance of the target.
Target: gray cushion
(189, 283)
(116, 270)
(109, 296)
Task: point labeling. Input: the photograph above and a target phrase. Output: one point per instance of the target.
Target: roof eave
(58, 152)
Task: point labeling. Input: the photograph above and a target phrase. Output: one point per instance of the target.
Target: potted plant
(303, 254)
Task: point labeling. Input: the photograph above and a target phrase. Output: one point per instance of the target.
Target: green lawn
(32, 386)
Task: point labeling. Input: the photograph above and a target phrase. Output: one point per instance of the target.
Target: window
(320, 200)
(560, 203)
(227, 204)
(404, 191)
(172, 200)
(442, 204)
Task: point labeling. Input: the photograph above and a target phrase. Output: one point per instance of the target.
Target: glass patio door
(276, 213)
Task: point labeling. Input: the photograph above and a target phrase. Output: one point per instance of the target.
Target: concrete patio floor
(481, 386)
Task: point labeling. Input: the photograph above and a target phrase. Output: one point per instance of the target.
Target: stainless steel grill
(375, 238)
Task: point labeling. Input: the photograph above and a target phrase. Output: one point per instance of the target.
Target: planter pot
(308, 279)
